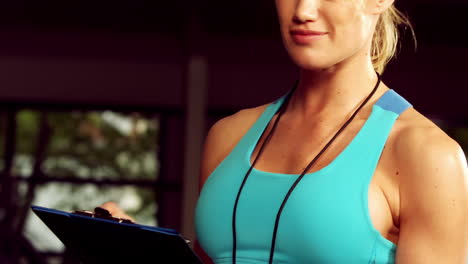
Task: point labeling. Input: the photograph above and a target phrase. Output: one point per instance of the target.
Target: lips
(303, 36)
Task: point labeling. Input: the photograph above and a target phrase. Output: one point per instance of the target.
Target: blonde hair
(386, 35)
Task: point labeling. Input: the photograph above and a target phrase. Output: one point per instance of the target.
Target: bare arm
(434, 199)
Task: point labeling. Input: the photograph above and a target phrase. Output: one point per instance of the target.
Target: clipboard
(96, 240)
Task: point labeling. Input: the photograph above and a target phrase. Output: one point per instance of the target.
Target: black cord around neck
(296, 182)
(262, 147)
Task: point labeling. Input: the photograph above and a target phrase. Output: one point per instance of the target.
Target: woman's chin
(312, 64)
(310, 61)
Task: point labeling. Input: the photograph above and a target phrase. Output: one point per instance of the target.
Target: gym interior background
(111, 100)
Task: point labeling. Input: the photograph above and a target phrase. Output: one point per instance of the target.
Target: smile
(303, 37)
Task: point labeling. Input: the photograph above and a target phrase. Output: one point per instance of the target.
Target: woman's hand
(116, 211)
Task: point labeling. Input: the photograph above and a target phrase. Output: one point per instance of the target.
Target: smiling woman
(341, 169)
(341, 16)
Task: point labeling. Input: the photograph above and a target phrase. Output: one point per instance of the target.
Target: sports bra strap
(392, 101)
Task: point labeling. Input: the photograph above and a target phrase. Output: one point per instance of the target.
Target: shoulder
(420, 145)
(231, 127)
(426, 154)
(223, 137)
(433, 184)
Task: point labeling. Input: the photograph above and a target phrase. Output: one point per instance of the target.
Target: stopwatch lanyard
(280, 112)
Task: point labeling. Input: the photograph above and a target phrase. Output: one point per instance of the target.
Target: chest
(326, 213)
(291, 150)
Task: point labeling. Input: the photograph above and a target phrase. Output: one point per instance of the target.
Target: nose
(306, 11)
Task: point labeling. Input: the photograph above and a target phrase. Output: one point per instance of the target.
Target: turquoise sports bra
(326, 219)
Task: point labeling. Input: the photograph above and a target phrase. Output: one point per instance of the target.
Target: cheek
(344, 23)
(285, 10)
(350, 28)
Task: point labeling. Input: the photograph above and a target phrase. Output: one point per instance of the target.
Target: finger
(116, 211)
(112, 207)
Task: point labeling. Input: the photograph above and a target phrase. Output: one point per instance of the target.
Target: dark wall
(135, 53)
(126, 68)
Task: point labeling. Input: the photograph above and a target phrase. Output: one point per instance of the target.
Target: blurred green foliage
(88, 145)
(101, 145)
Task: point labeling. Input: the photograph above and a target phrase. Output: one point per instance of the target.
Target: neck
(332, 92)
